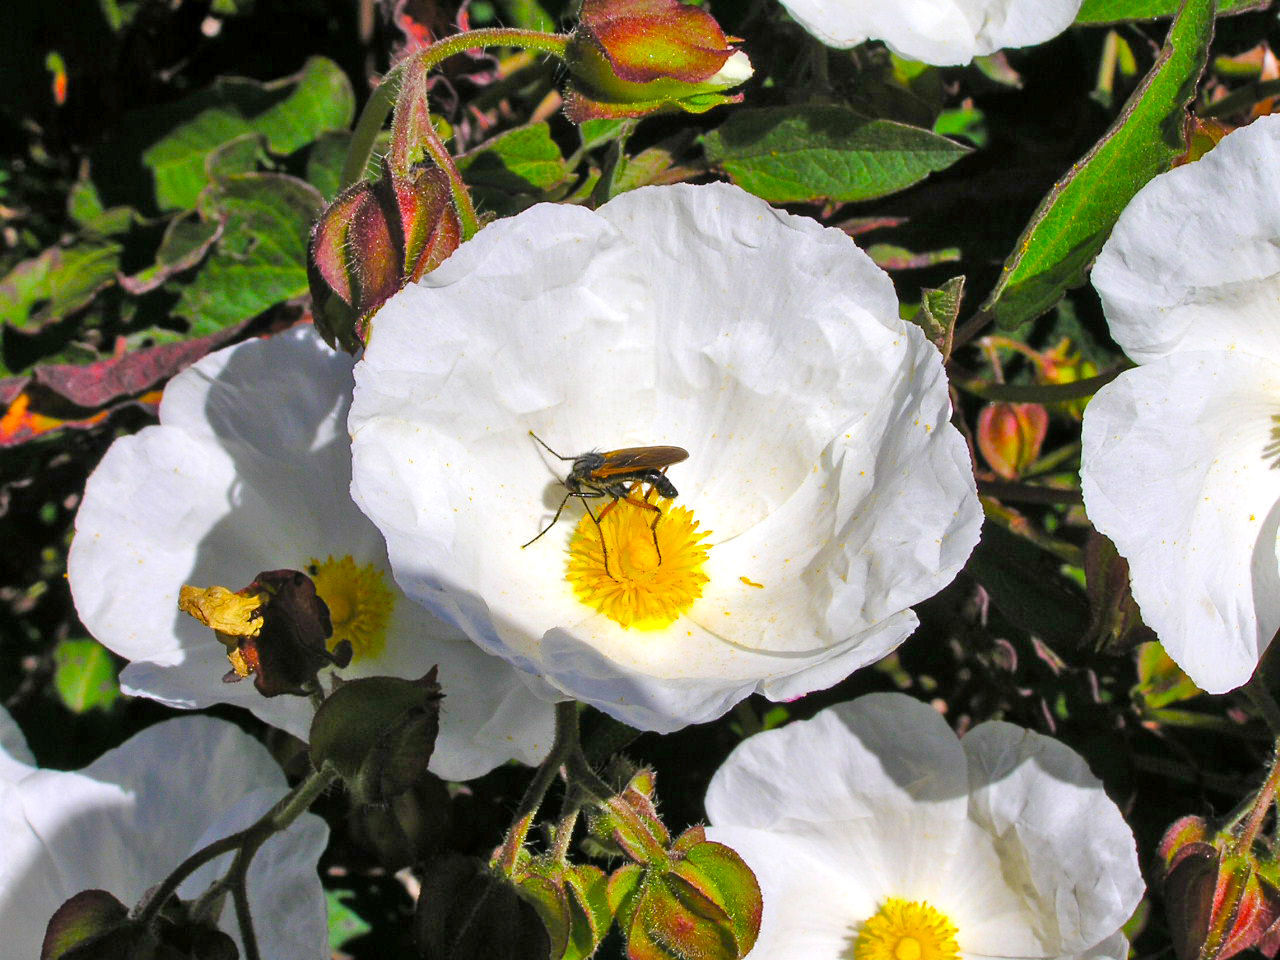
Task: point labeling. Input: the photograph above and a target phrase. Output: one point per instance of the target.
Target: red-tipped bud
(1010, 436)
(1217, 902)
(372, 240)
(630, 58)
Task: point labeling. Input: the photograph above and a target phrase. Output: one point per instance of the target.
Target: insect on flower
(617, 474)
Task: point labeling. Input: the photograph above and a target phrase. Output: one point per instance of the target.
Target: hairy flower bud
(1010, 436)
(629, 58)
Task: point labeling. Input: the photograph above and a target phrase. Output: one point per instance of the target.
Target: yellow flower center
(359, 601)
(653, 573)
(902, 930)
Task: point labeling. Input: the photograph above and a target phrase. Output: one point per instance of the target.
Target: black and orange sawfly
(618, 474)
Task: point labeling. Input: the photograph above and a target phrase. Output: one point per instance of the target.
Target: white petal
(1067, 851)
(811, 907)
(788, 424)
(878, 754)
(250, 471)
(16, 759)
(131, 816)
(1193, 263)
(1179, 469)
(935, 31)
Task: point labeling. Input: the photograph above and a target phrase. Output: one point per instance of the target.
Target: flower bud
(1064, 364)
(379, 733)
(630, 58)
(704, 905)
(373, 239)
(1217, 901)
(629, 822)
(1010, 436)
(572, 901)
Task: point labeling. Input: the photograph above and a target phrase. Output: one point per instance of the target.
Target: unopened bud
(630, 58)
(1010, 436)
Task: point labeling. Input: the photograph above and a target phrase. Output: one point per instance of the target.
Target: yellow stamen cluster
(359, 601)
(654, 573)
(902, 930)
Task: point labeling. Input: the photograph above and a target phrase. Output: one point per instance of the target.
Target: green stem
(1261, 805)
(566, 742)
(1260, 694)
(1042, 392)
(288, 809)
(563, 835)
(383, 99)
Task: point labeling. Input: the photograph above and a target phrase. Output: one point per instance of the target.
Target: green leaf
(1115, 11)
(790, 155)
(84, 675)
(260, 259)
(289, 113)
(523, 160)
(1024, 584)
(1073, 221)
(185, 242)
(58, 282)
(594, 133)
(344, 923)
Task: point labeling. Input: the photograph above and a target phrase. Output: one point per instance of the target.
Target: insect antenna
(550, 451)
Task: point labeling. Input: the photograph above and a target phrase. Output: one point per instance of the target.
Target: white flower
(941, 32)
(123, 823)
(249, 471)
(1181, 459)
(823, 473)
(872, 822)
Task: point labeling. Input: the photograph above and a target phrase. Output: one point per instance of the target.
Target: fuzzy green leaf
(1073, 221)
(792, 155)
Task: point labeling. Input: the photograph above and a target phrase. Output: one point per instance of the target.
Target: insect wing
(629, 460)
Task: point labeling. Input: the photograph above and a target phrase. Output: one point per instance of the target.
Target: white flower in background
(1181, 459)
(824, 493)
(876, 834)
(123, 823)
(941, 32)
(248, 471)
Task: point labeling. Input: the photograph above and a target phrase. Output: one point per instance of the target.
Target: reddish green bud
(1010, 436)
(94, 925)
(468, 912)
(373, 239)
(630, 58)
(1217, 901)
(705, 906)
(572, 901)
(378, 733)
(629, 821)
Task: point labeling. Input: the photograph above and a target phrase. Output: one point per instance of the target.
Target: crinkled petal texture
(821, 457)
(1005, 832)
(942, 32)
(125, 821)
(249, 470)
(1181, 458)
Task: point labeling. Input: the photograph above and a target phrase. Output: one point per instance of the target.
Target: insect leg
(600, 531)
(559, 509)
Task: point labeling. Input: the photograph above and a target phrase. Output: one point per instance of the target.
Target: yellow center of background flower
(359, 601)
(638, 589)
(902, 930)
